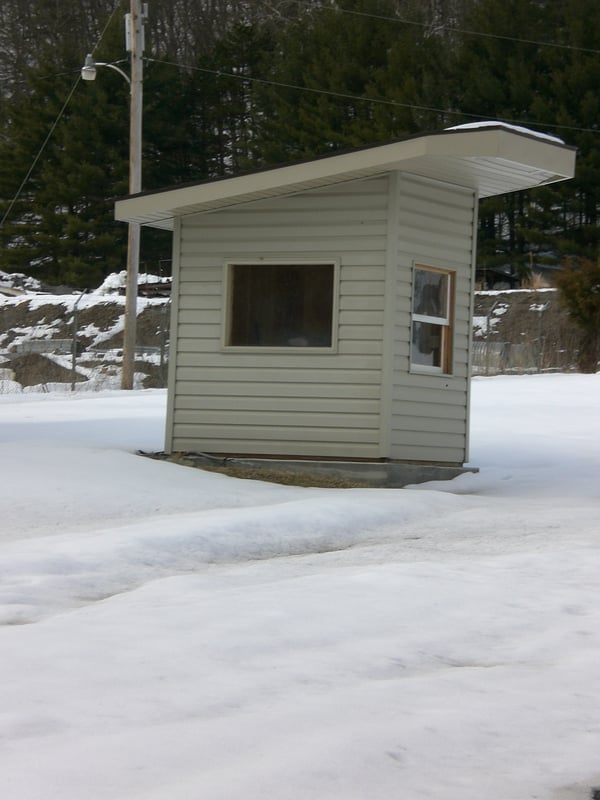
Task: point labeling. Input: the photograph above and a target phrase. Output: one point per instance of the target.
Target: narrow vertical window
(433, 294)
(280, 305)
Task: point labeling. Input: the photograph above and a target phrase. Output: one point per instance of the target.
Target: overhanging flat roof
(490, 158)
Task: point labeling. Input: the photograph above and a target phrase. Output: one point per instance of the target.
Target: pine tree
(356, 74)
(575, 101)
(225, 111)
(527, 68)
(62, 226)
(346, 78)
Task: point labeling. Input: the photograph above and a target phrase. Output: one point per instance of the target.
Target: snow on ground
(46, 329)
(172, 633)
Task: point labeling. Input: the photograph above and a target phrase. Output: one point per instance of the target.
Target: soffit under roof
(491, 160)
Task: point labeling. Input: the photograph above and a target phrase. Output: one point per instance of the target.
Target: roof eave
(490, 161)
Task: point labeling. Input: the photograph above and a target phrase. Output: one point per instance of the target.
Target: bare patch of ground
(32, 369)
(285, 477)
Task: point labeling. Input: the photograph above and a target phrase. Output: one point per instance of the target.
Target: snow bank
(183, 634)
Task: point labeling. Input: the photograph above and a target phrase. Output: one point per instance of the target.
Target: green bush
(579, 285)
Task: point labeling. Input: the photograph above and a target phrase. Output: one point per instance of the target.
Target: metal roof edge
(457, 130)
(343, 165)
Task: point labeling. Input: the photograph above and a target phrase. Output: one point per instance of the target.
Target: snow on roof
(490, 123)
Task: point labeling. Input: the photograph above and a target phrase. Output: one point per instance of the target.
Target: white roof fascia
(491, 160)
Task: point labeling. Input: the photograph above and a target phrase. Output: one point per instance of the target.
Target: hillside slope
(37, 332)
(522, 330)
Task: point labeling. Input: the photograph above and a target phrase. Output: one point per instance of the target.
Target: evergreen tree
(341, 76)
(346, 78)
(196, 125)
(579, 284)
(62, 226)
(519, 71)
(225, 111)
(576, 104)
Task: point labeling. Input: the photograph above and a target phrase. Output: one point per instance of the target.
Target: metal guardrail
(498, 358)
(61, 346)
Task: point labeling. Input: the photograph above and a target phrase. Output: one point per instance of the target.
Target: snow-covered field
(171, 634)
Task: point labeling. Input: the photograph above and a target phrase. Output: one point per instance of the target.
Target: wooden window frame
(443, 321)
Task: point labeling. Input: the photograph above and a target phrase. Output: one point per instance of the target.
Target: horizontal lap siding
(292, 403)
(429, 412)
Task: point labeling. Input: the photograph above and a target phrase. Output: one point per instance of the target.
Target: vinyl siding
(362, 400)
(428, 412)
(290, 403)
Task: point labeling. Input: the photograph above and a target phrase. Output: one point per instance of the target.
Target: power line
(51, 131)
(454, 29)
(330, 93)
(39, 153)
(362, 98)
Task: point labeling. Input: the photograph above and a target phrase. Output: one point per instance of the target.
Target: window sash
(431, 327)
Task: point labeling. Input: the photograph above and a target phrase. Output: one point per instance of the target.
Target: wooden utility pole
(135, 44)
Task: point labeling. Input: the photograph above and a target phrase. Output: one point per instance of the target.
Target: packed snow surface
(169, 633)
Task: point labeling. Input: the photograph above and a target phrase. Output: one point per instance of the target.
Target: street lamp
(134, 27)
(88, 71)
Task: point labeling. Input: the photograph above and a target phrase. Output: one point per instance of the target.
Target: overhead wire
(362, 98)
(38, 155)
(445, 27)
(53, 127)
(326, 92)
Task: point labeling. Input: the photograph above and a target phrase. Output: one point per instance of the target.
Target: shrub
(579, 285)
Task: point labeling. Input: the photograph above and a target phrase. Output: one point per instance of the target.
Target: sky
(167, 632)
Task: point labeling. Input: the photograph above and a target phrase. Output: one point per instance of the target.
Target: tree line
(232, 85)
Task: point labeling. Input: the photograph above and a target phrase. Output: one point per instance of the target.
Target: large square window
(431, 346)
(281, 305)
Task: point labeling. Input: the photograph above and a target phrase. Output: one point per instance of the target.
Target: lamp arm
(116, 69)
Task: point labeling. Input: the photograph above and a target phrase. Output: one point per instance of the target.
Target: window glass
(431, 294)
(427, 344)
(281, 305)
(431, 319)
